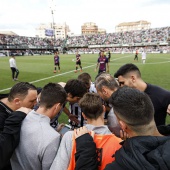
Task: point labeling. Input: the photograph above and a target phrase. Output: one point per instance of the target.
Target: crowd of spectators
(85, 40)
(29, 41)
(156, 39)
(156, 35)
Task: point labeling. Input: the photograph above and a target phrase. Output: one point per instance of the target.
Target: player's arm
(50, 152)
(63, 156)
(9, 138)
(96, 67)
(71, 116)
(85, 157)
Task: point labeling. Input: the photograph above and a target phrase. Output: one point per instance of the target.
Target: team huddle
(115, 122)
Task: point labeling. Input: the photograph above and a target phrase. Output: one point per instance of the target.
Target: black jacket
(143, 153)
(137, 153)
(9, 137)
(164, 130)
(4, 113)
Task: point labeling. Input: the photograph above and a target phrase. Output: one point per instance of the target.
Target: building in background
(131, 26)
(101, 31)
(91, 28)
(8, 33)
(58, 31)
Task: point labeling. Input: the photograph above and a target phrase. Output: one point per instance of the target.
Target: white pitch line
(5, 89)
(63, 73)
(59, 74)
(49, 77)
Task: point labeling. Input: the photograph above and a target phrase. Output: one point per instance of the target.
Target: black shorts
(78, 63)
(57, 64)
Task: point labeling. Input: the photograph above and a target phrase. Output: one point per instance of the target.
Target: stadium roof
(133, 23)
(7, 33)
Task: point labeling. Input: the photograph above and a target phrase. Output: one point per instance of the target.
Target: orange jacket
(106, 146)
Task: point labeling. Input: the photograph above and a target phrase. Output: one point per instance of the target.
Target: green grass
(34, 68)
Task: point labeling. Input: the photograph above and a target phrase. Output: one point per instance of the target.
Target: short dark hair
(85, 78)
(107, 80)
(91, 105)
(127, 68)
(75, 88)
(133, 106)
(51, 94)
(20, 90)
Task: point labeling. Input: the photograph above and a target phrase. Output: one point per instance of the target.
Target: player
(56, 62)
(102, 63)
(78, 62)
(14, 69)
(136, 55)
(143, 57)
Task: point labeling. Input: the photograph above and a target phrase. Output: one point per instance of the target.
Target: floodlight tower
(52, 7)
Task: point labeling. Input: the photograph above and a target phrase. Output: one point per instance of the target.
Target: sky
(24, 16)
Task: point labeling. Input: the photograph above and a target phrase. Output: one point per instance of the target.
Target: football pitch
(39, 69)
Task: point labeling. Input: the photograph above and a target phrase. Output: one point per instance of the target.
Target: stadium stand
(154, 40)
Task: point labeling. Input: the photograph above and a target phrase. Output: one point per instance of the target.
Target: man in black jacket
(22, 94)
(9, 138)
(146, 149)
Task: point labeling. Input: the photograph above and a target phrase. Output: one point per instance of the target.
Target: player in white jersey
(14, 69)
(143, 57)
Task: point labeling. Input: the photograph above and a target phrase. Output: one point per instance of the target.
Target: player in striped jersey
(75, 90)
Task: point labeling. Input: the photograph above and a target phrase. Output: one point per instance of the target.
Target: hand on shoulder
(24, 109)
(80, 131)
